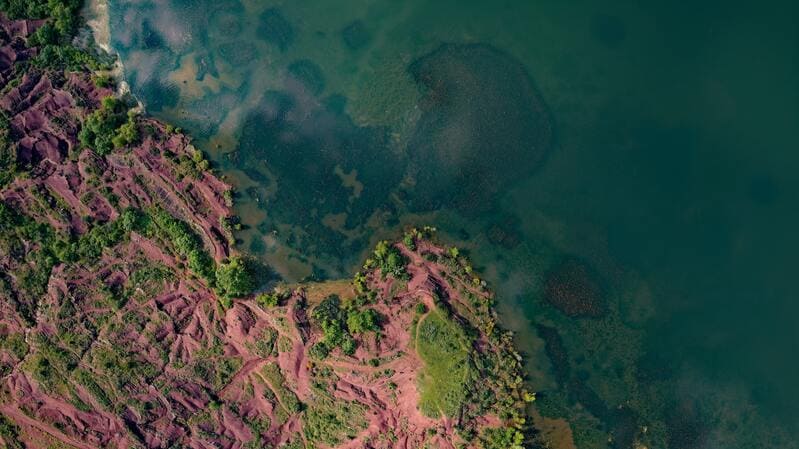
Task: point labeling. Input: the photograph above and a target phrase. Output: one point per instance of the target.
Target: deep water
(623, 173)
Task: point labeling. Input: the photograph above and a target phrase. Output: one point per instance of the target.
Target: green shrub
(258, 427)
(185, 241)
(63, 14)
(127, 133)
(265, 344)
(331, 318)
(99, 131)
(360, 321)
(121, 366)
(409, 241)
(338, 325)
(236, 277)
(67, 57)
(84, 378)
(9, 432)
(103, 80)
(389, 259)
(331, 421)
(90, 245)
(134, 220)
(359, 281)
(268, 300)
(319, 351)
(14, 344)
(33, 278)
(55, 36)
(192, 166)
(50, 363)
(501, 438)
(8, 153)
(224, 370)
(348, 345)
(200, 262)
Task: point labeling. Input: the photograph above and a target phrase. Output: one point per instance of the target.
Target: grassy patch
(225, 369)
(287, 398)
(185, 241)
(444, 349)
(149, 281)
(85, 378)
(9, 432)
(330, 421)
(15, 344)
(265, 344)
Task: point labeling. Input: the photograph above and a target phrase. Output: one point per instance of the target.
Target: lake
(623, 174)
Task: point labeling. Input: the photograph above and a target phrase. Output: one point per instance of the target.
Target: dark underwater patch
(625, 426)
(303, 143)
(257, 246)
(581, 393)
(355, 35)
(159, 95)
(653, 367)
(237, 53)
(556, 353)
(685, 427)
(275, 29)
(227, 22)
(504, 231)
(209, 111)
(622, 422)
(335, 103)
(575, 289)
(150, 39)
(483, 126)
(256, 176)
(308, 74)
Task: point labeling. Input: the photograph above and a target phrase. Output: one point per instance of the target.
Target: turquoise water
(640, 155)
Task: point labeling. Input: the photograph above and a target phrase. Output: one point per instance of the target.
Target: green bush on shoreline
(110, 127)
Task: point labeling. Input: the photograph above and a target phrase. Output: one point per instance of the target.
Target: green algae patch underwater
(483, 127)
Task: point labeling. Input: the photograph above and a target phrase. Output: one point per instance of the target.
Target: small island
(128, 319)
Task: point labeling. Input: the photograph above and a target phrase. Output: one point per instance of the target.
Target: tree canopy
(236, 277)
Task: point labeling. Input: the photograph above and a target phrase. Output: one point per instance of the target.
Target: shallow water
(652, 146)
